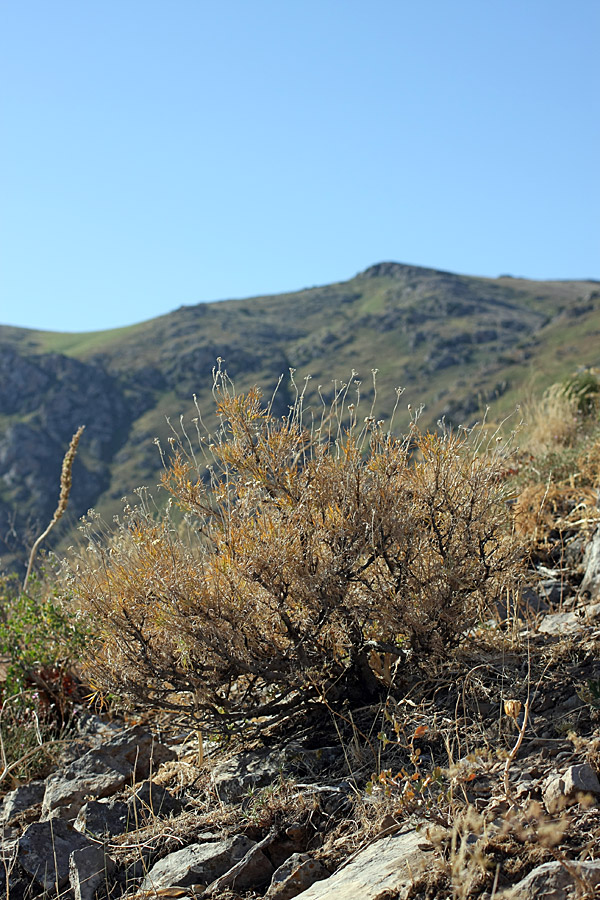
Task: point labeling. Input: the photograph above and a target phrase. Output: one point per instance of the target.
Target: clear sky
(155, 153)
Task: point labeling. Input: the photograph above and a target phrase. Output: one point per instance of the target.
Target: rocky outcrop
(127, 758)
(387, 868)
(44, 399)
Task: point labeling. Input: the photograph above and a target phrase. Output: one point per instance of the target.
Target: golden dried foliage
(554, 420)
(541, 507)
(302, 553)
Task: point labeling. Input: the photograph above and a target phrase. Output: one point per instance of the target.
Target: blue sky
(154, 154)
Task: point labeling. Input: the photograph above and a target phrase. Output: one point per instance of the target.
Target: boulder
(197, 864)
(591, 566)
(92, 775)
(22, 798)
(236, 776)
(555, 881)
(253, 870)
(89, 867)
(296, 874)
(386, 867)
(103, 818)
(568, 622)
(45, 848)
(240, 774)
(152, 800)
(112, 817)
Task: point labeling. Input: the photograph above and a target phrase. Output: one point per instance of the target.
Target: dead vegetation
(312, 565)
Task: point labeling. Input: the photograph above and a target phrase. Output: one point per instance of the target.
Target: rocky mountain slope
(455, 343)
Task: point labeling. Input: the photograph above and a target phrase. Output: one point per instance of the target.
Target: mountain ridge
(454, 342)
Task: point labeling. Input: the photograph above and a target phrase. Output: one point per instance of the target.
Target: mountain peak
(396, 270)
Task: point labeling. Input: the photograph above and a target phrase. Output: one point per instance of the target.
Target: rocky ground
(476, 779)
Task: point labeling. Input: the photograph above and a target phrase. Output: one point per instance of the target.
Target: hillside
(455, 343)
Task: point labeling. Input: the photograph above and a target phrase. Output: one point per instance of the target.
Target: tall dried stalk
(66, 480)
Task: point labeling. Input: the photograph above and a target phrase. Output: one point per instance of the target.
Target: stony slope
(454, 342)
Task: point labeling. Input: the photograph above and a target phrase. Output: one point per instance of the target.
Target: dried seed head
(512, 708)
(66, 475)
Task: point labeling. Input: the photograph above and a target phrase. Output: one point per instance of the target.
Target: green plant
(40, 639)
(39, 645)
(303, 551)
(584, 389)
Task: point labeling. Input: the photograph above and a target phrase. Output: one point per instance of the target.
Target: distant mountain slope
(454, 342)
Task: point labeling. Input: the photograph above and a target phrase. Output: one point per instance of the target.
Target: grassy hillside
(455, 343)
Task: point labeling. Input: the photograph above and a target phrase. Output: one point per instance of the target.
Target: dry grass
(552, 421)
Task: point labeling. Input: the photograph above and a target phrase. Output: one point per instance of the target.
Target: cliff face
(44, 398)
(454, 342)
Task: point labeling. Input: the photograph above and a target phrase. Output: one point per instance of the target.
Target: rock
(299, 758)
(554, 881)
(128, 757)
(574, 552)
(44, 851)
(89, 867)
(294, 840)
(112, 817)
(92, 775)
(197, 864)
(296, 874)
(553, 590)
(253, 870)
(141, 749)
(525, 787)
(565, 790)
(525, 606)
(22, 798)
(152, 800)
(103, 818)
(568, 622)
(236, 776)
(591, 566)
(387, 866)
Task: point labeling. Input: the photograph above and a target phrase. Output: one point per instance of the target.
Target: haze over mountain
(455, 343)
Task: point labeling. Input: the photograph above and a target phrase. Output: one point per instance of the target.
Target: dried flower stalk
(66, 480)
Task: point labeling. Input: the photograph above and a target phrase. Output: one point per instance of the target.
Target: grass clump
(311, 564)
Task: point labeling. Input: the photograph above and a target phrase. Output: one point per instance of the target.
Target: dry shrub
(553, 421)
(540, 508)
(302, 551)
